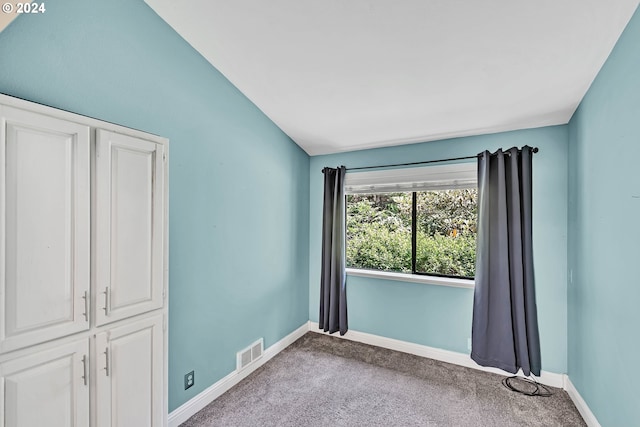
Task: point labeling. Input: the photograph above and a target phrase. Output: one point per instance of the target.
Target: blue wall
(604, 212)
(238, 185)
(441, 316)
(239, 204)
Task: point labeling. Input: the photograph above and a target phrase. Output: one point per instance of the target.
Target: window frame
(412, 180)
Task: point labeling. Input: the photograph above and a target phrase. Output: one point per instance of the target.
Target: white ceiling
(340, 75)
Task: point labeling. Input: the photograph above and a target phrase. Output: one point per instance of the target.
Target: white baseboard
(548, 378)
(190, 408)
(581, 405)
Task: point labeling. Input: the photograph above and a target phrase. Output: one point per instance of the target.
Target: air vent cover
(248, 355)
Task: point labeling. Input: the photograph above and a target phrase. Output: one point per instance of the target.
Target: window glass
(380, 226)
(446, 232)
(379, 231)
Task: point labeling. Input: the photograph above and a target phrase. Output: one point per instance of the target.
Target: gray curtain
(333, 280)
(505, 321)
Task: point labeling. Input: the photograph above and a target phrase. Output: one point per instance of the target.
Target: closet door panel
(129, 233)
(129, 377)
(49, 388)
(44, 228)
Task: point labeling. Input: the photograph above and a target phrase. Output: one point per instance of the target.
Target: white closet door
(129, 374)
(44, 228)
(49, 388)
(129, 226)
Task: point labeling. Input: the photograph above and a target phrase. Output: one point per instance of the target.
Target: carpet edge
(192, 406)
(461, 359)
(548, 378)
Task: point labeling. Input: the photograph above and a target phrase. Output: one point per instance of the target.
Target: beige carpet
(326, 381)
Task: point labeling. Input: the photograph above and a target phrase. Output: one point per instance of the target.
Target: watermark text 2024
(24, 8)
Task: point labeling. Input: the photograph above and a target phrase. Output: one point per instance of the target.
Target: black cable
(534, 387)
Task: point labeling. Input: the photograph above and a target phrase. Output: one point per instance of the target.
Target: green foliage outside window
(379, 232)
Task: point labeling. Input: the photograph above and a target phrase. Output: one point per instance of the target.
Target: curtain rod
(535, 150)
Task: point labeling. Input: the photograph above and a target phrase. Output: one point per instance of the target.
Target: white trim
(581, 405)
(461, 359)
(191, 407)
(415, 278)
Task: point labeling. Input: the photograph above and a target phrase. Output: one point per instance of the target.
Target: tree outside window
(379, 232)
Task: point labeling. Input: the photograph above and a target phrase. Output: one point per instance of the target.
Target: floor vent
(247, 356)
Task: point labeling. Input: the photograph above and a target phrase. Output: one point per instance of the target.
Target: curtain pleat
(505, 324)
(333, 280)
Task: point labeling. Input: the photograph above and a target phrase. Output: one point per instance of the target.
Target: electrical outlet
(189, 379)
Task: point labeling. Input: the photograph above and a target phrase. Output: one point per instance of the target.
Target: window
(419, 221)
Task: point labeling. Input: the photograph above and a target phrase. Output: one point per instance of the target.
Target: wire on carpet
(528, 387)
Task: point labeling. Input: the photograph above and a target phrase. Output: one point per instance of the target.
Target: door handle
(107, 365)
(84, 370)
(86, 306)
(107, 300)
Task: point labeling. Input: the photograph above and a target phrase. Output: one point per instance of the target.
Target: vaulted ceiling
(340, 75)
